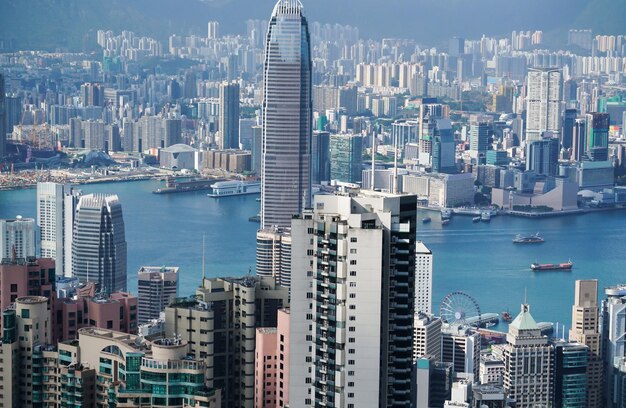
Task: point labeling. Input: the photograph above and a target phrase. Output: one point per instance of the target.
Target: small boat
(506, 316)
(445, 221)
(528, 239)
(485, 216)
(446, 213)
(476, 219)
(426, 220)
(490, 324)
(566, 266)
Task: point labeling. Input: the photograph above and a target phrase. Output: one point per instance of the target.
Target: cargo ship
(234, 187)
(528, 239)
(566, 266)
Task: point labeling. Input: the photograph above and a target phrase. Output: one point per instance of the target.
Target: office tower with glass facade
(346, 157)
(229, 115)
(287, 116)
(3, 118)
(99, 242)
(543, 102)
(570, 375)
(320, 157)
(597, 141)
(542, 156)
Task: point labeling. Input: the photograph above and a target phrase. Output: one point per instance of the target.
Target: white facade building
(543, 102)
(423, 278)
(17, 235)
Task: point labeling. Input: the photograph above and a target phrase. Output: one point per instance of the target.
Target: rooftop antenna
(373, 161)
(203, 272)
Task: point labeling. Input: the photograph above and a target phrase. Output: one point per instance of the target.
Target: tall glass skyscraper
(99, 243)
(287, 116)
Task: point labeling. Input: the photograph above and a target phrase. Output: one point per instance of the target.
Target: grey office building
(287, 116)
(229, 116)
(99, 243)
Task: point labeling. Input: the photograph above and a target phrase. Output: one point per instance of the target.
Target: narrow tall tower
(287, 116)
(585, 330)
(99, 243)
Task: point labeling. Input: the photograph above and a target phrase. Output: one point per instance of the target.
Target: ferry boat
(485, 216)
(566, 266)
(426, 220)
(446, 213)
(528, 239)
(234, 187)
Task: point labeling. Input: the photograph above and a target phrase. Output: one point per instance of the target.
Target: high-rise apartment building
(17, 238)
(213, 30)
(271, 372)
(543, 102)
(586, 330)
(157, 287)
(273, 254)
(423, 279)
(56, 207)
(3, 118)
(229, 115)
(346, 157)
(528, 363)
(220, 323)
(353, 301)
(287, 116)
(92, 94)
(99, 242)
(25, 277)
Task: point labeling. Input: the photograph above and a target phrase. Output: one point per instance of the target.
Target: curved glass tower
(287, 116)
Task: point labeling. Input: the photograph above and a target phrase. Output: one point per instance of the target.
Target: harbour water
(476, 258)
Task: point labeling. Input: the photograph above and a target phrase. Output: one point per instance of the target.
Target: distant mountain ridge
(63, 24)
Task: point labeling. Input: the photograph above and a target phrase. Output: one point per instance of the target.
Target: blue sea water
(476, 258)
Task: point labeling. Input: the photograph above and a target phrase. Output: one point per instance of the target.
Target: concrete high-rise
(353, 301)
(99, 242)
(17, 238)
(157, 287)
(287, 116)
(3, 118)
(528, 363)
(423, 279)
(273, 254)
(585, 330)
(543, 102)
(56, 207)
(229, 115)
(220, 324)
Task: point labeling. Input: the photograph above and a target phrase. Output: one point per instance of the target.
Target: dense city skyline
(427, 220)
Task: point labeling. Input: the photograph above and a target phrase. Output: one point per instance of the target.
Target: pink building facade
(117, 312)
(31, 277)
(271, 366)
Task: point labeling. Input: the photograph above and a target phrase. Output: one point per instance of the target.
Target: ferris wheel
(457, 307)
